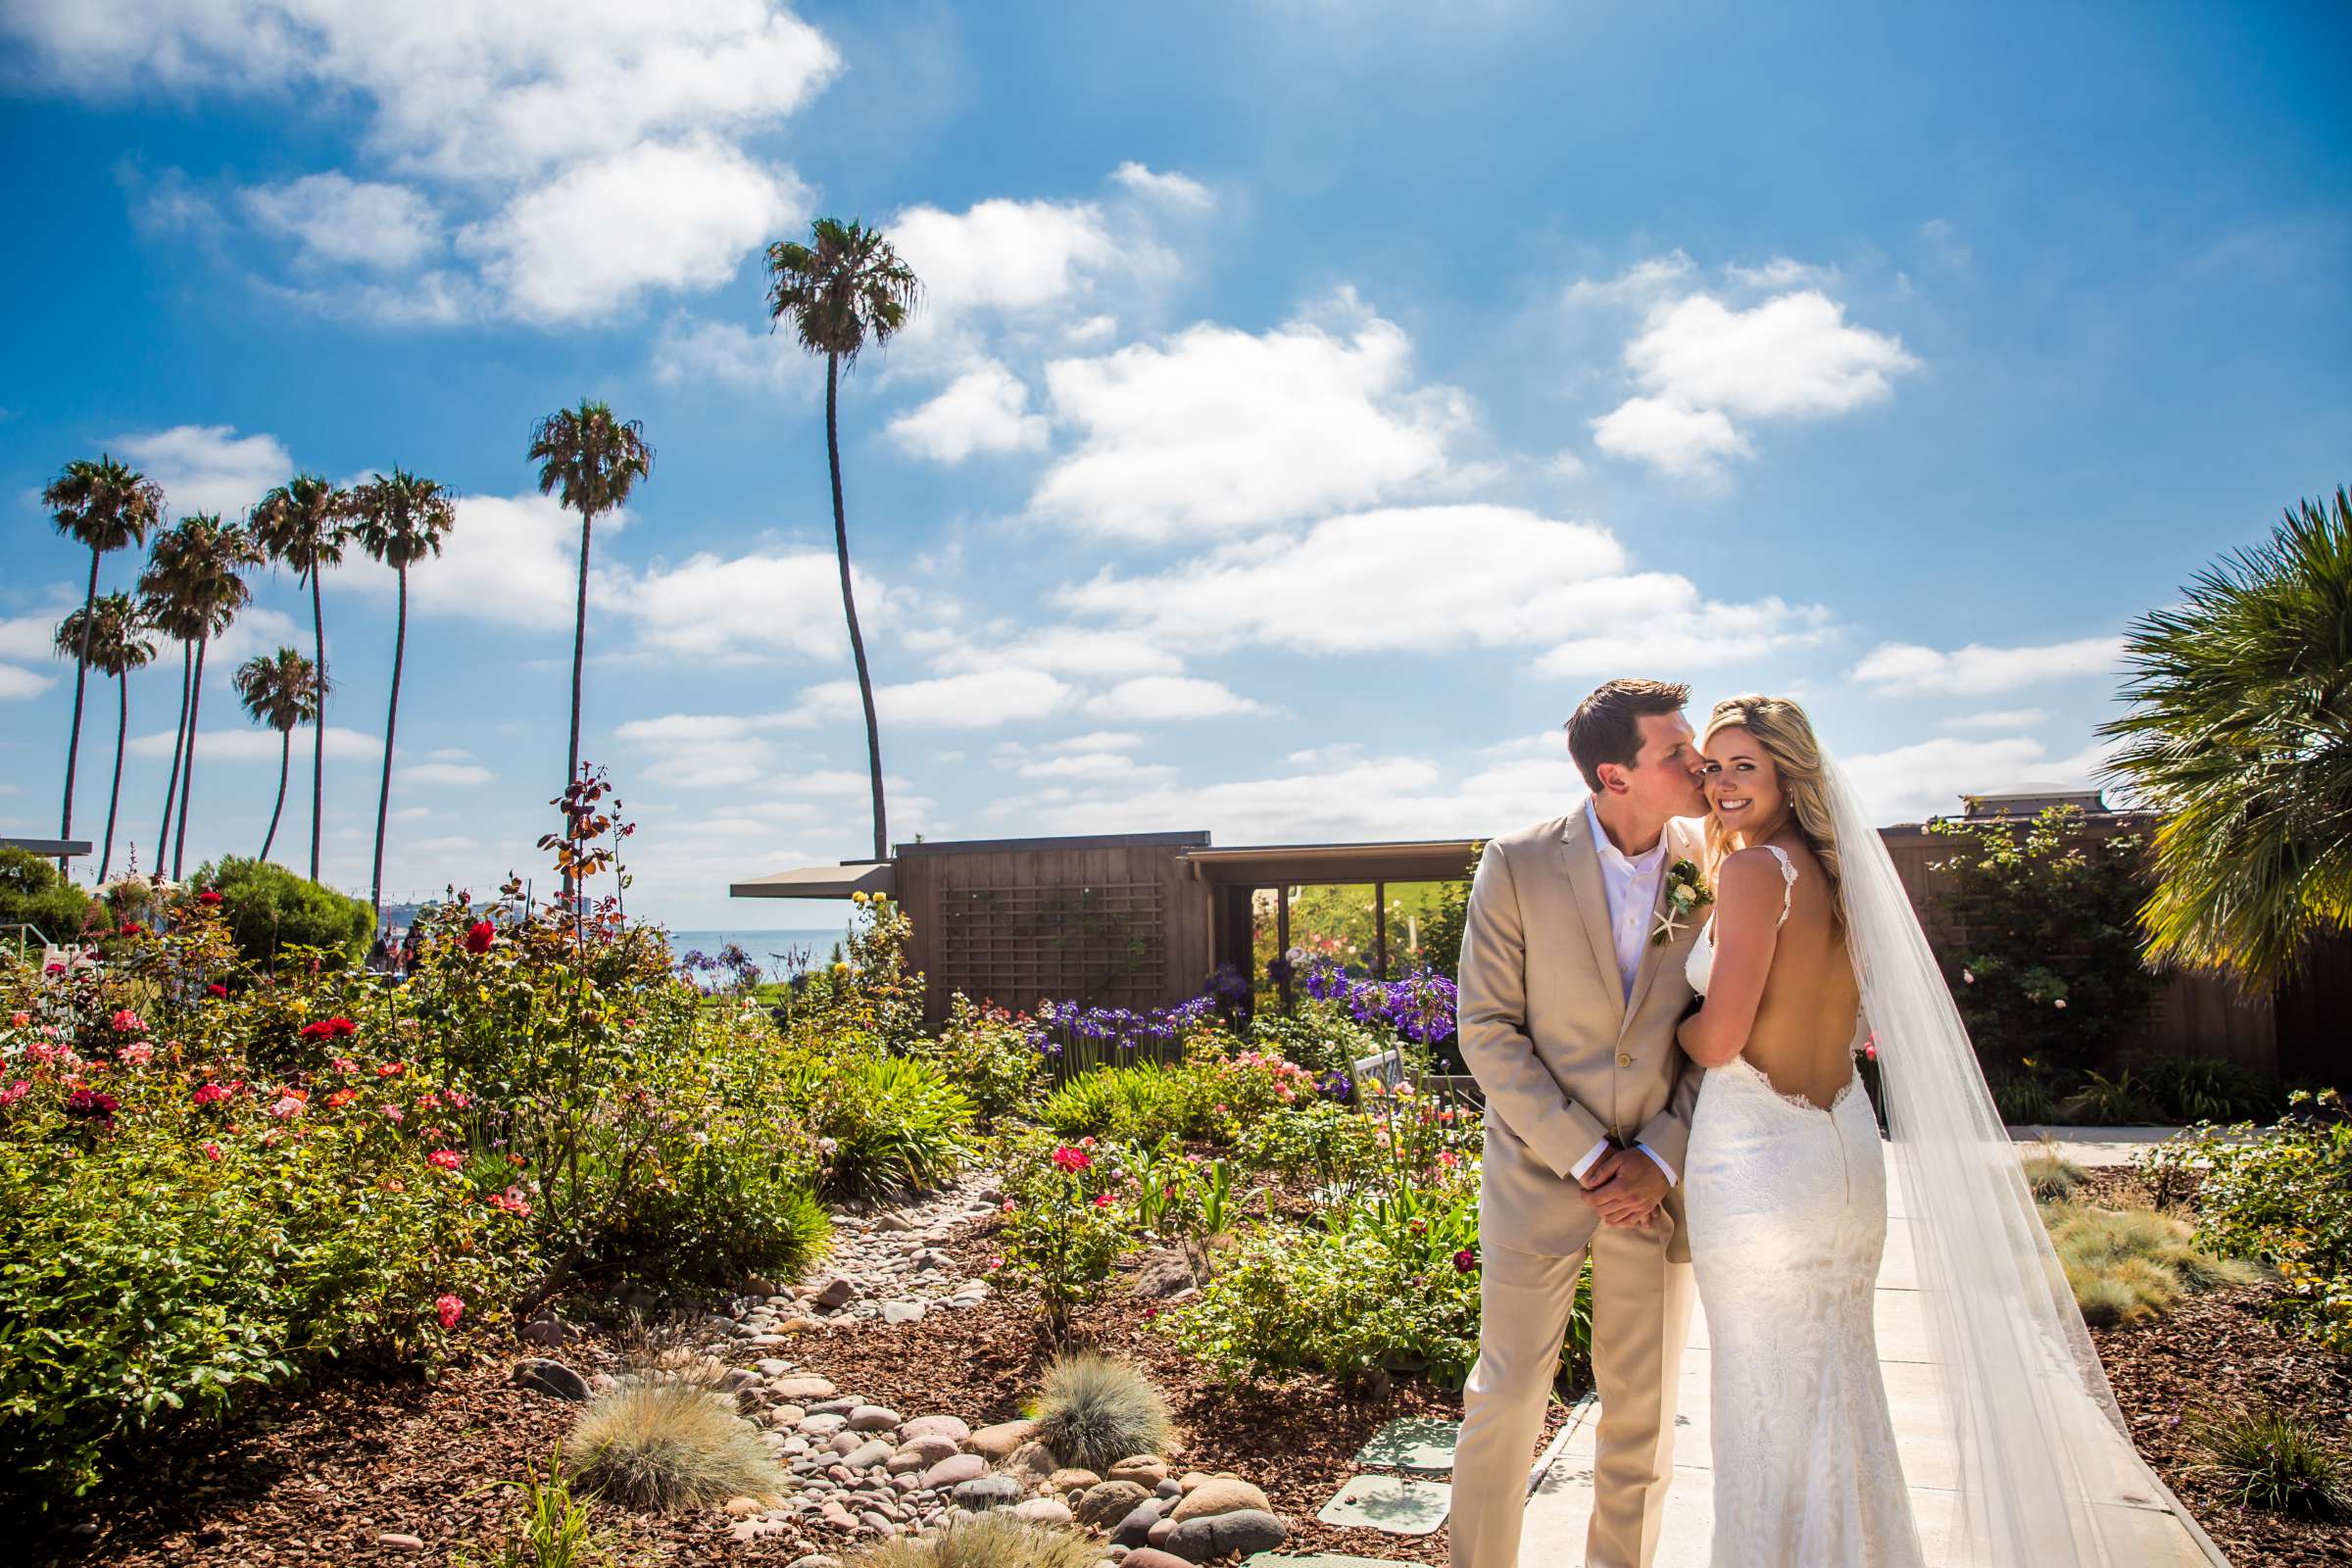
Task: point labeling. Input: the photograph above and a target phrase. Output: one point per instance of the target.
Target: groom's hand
(1625, 1187)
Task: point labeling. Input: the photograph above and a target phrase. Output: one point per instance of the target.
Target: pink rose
(18, 1020)
(127, 1022)
(392, 1113)
(211, 1150)
(139, 1053)
(445, 1158)
(450, 1309)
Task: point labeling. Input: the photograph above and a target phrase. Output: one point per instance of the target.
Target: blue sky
(1310, 401)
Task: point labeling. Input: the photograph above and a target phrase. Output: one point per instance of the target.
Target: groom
(1567, 1015)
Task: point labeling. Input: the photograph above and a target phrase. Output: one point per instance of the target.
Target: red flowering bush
(479, 936)
(1064, 1229)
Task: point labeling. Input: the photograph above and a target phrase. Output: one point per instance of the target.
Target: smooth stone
(1067, 1480)
(955, 1470)
(1136, 1529)
(400, 1543)
(772, 1367)
(1143, 1469)
(835, 1291)
(867, 1455)
(1245, 1529)
(987, 1492)
(902, 1311)
(787, 1416)
(930, 1449)
(906, 1464)
(549, 1332)
(1033, 1460)
(815, 1559)
(873, 1418)
(745, 1531)
(1108, 1502)
(1043, 1511)
(1153, 1557)
(802, 1388)
(1170, 1488)
(841, 1407)
(757, 1284)
(951, 1428)
(549, 1377)
(1159, 1534)
(822, 1426)
(1220, 1495)
(998, 1441)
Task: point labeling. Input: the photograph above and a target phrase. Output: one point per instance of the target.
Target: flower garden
(543, 1254)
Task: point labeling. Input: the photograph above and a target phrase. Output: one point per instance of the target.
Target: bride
(1811, 941)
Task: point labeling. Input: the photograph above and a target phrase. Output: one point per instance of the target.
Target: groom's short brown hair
(1607, 726)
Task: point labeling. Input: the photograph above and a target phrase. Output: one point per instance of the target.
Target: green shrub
(668, 1444)
(990, 1053)
(2118, 1102)
(1063, 1230)
(1144, 1103)
(2026, 1099)
(1318, 1036)
(270, 909)
(993, 1540)
(2192, 1089)
(2269, 1459)
(2131, 1264)
(553, 1528)
(738, 1201)
(2282, 1194)
(1326, 1142)
(33, 893)
(894, 1125)
(1093, 1412)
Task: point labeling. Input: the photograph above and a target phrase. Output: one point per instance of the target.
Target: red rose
(208, 896)
(131, 928)
(215, 989)
(1072, 1158)
(479, 936)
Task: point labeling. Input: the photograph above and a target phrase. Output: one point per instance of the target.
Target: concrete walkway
(2094, 1146)
(1563, 1502)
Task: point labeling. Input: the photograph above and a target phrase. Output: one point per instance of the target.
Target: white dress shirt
(1632, 887)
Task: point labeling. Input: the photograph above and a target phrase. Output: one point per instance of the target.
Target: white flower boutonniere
(1686, 893)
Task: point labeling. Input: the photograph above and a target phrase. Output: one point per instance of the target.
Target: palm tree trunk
(188, 776)
(81, 672)
(113, 796)
(849, 604)
(286, 759)
(384, 794)
(319, 740)
(179, 738)
(579, 649)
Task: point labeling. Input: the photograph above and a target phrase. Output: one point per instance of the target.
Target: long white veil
(2048, 1474)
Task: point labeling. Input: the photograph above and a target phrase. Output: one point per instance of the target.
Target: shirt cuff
(1585, 1164)
(1671, 1178)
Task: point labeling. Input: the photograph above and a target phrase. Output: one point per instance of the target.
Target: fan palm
(2240, 733)
(111, 634)
(842, 292)
(280, 690)
(400, 520)
(107, 507)
(200, 567)
(304, 524)
(597, 461)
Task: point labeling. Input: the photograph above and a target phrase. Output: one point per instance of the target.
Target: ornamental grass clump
(668, 1444)
(2052, 1177)
(994, 1540)
(1093, 1412)
(2273, 1460)
(2128, 1265)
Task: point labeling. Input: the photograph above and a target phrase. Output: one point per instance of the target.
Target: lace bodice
(1699, 967)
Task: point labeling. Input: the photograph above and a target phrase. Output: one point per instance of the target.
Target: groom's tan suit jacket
(1565, 1057)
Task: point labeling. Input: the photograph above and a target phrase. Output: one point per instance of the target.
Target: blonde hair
(1781, 728)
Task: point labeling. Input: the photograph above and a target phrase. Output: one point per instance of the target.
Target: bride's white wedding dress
(1786, 1207)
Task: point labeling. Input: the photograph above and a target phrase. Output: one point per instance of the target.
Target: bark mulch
(2220, 1351)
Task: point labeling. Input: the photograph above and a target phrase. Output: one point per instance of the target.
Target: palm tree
(2241, 734)
(400, 521)
(280, 690)
(108, 508)
(168, 603)
(111, 633)
(846, 289)
(598, 460)
(304, 524)
(206, 560)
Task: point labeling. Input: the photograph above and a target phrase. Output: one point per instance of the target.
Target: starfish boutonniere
(1686, 893)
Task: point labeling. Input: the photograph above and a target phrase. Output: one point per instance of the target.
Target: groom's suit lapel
(1655, 953)
(1580, 862)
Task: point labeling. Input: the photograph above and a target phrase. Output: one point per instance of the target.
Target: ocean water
(761, 944)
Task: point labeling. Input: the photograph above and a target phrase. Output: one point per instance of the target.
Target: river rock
(867, 1455)
(873, 1418)
(983, 1493)
(930, 1449)
(550, 1376)
(1032, 1462)
(1071, 1480)
(1245, 1529)
(1151, 1557)
(950, 1427)
(1219, 1494)
(1045, 1511)
(836, 1291)
(1136, 1529)
(955, 1470)
(1143, 1469)
(998, 1441)
(803, 1389)
(1106, 1504)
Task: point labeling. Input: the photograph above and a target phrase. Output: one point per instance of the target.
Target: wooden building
(1143, 919)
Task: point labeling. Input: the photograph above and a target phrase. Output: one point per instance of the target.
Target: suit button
(1625, 1058)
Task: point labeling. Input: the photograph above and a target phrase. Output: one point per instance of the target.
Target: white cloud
(511, 560)
(345, 221)
(947, 702)
(17, 685)
(1998, 718)
(673, 215)
(983, 410)
(1094, 765)
(1704, 370)
(1977, 670)
(258, 745)
(1105, 652)
(764, 605)
(1169, 189)
(1216, 430)
(693, 353)
(1159, 698)
(443, 775)
(1099, 740)
(34, 636)
(208, 468)
(1912, 782)
(1428, 578)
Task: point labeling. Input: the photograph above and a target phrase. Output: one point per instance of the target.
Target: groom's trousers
(1640, 1317)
